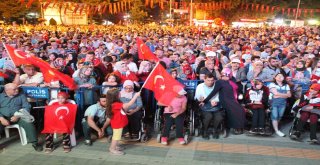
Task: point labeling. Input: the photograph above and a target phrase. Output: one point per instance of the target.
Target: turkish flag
(145, 52)
(59, 118)
(18, 57)
(164, 86)
(3, 75)
(52, 74)
(49, 74)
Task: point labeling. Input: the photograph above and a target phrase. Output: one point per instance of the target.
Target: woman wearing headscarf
(227, 90)
(300, 79)
(134, 112)
(86, 81)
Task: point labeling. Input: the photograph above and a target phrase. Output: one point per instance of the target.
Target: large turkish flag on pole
(50, 74)
(59, 118)
(18, 57)
(144, 51)
(164, 86)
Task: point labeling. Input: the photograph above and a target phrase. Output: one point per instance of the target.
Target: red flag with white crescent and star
(144, 51)
(50, 74)
(18, 57)
(164, 86)
(59, 118)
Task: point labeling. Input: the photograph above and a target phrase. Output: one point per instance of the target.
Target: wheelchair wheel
(191, 122)
(196, 132)
(144, 138)
(291, 131)
(159, 138)
(186, 138)
(157, 121)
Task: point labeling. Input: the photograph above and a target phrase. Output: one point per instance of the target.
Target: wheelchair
(159, 123)
(143, 132)
(296, 113)
(199, 128)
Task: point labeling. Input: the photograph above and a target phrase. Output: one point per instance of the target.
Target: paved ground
(239, 149)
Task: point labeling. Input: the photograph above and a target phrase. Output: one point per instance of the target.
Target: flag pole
(5, 47)
(149, 76)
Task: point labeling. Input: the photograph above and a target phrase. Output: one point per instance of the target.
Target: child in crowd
(110, 81)
(61, 100)
(117, 112)
(280, 91)
(257, 102)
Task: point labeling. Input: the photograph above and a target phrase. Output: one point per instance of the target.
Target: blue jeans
(277, 111)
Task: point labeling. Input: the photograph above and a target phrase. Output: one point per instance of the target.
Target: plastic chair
(72, 138)
(22, 133)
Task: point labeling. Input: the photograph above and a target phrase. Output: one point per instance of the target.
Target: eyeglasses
(128, 88)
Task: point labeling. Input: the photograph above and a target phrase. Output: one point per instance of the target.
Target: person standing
(118, 118)
(280, 91)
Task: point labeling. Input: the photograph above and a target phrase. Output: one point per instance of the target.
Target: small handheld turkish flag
(164, 86)
(59, 118)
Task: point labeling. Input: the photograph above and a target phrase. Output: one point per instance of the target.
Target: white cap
(235, 60)
(232, 56)
(311, 56)
(211, 54)
(258, 62)
(189, 51)
(128, 83)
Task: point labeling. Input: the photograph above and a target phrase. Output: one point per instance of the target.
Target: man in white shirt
(31, 76)
(128, 60)
(212, 111)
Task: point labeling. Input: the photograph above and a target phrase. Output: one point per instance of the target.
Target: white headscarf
(123, 92)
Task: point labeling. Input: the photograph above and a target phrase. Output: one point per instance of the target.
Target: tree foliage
(12, 9)
(137, 14)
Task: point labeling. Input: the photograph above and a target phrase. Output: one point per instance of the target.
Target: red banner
(267, 9)
(294, 12)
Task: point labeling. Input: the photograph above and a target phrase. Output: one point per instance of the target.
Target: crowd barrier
(44, 93)
(41, 94)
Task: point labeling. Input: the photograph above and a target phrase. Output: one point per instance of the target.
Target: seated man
(95, 119)
(12, 101)
(212, 110)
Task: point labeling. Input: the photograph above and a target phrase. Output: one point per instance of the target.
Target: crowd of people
(242, 68)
